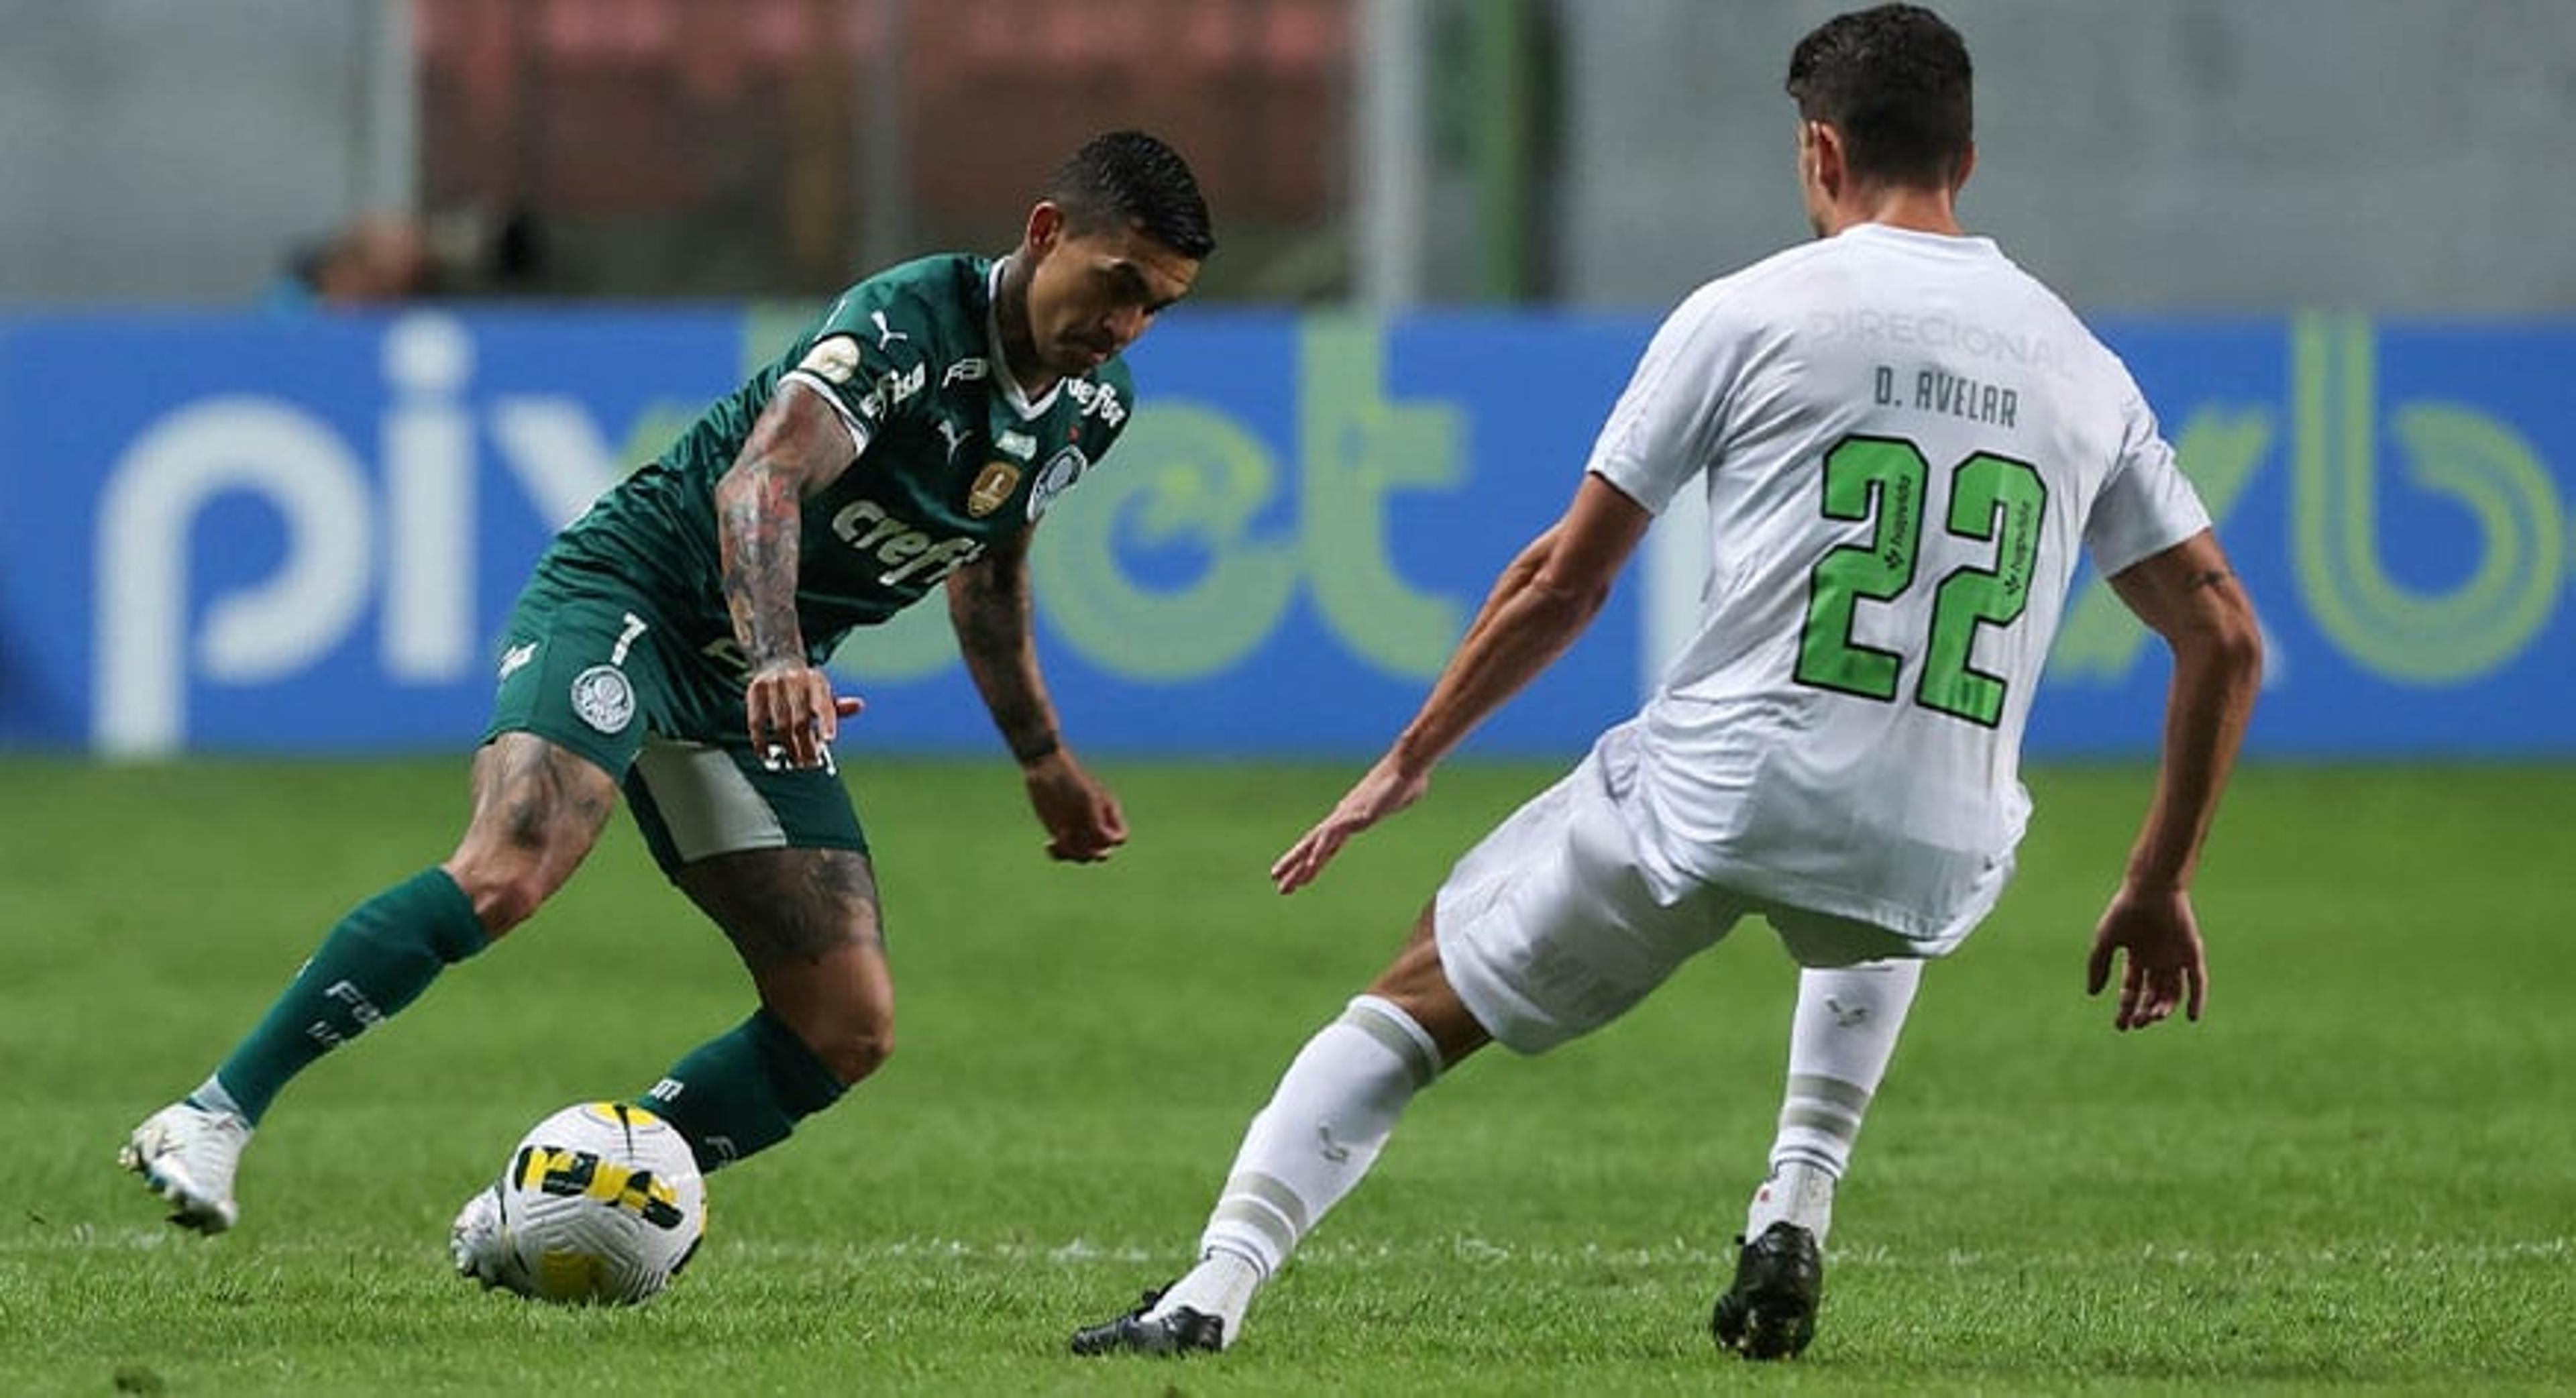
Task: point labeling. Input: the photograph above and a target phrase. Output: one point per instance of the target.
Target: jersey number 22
(1993, 499)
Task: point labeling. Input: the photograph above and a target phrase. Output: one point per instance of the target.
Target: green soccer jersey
(951, 456)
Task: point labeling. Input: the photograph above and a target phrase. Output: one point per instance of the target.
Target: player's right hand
(1385, 790)
(2167, 967)
(792, 714)
(1083, 822)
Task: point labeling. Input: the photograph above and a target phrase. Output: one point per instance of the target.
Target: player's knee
(854, 1046)
(505, 898)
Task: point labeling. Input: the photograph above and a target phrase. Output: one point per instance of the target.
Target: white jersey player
(1905, 443)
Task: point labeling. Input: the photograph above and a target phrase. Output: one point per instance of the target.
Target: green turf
(2355, 1172)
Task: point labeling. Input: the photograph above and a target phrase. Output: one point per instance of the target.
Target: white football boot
(187, 1155)
(475, 1241)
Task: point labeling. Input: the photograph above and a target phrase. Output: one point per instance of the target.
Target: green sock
(379, 959)
(743, 1091)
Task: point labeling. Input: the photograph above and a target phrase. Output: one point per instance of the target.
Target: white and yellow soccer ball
(601, 1203)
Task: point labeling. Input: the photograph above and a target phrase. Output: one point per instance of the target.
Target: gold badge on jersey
(992, 488)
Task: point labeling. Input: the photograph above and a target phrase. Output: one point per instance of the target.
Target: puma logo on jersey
(953, 434)
(886, 333)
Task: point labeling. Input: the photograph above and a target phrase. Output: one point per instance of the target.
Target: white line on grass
(1468, 1250)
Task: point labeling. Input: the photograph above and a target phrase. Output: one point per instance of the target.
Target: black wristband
(1037, 752)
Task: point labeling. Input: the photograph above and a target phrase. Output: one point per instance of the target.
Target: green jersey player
(670, 646)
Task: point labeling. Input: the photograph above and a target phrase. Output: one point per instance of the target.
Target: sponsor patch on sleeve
(834, 360)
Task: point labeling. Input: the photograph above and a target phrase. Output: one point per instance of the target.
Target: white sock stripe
(1255, 1216)
(1808, 1156)
(214, 1096)
(1810, 1116)
(1260, 1268)
(1385, 1021)
(1850, 1096)
(1251, 1186)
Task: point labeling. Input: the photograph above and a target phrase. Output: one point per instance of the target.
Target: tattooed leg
(806, 924)
(538, 810)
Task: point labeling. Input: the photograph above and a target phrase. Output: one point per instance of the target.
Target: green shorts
(595, 673)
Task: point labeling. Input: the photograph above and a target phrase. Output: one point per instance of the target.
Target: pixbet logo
(404, 535)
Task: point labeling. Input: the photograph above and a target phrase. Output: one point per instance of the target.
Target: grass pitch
(2355, 1172)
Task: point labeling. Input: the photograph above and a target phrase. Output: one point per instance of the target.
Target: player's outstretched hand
(793, 715)
(1082, 820)
(2166, 966)
(1386, 789)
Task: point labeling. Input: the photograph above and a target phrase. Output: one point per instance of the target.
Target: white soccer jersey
(1903, 438)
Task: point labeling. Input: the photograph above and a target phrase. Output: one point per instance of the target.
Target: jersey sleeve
(2148, 505)
(1667, 423)
(868, 357)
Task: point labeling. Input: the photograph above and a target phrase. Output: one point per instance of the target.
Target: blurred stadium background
(413, 279)
(317, 316)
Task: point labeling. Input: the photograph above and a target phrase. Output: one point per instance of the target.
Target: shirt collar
(1020, 402)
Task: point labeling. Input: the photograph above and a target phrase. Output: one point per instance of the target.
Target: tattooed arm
(2190, 596)
(798, 447)
(988, 604)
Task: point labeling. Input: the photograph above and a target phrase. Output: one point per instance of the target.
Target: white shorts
(1550, 929)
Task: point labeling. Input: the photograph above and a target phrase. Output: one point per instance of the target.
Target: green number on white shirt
(1881, 479)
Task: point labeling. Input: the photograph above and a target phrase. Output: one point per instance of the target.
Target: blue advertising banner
(248, 533)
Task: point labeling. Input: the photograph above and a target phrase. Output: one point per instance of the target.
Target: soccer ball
(600, 1203)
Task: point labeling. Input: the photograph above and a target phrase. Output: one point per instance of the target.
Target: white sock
(211, 1095)
(1331, 1114)
(1844, 1033)
(1222, 1285)
(1797, 1192)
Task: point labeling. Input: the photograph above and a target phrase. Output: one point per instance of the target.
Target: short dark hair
(1895, 81)
(1128, 177)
